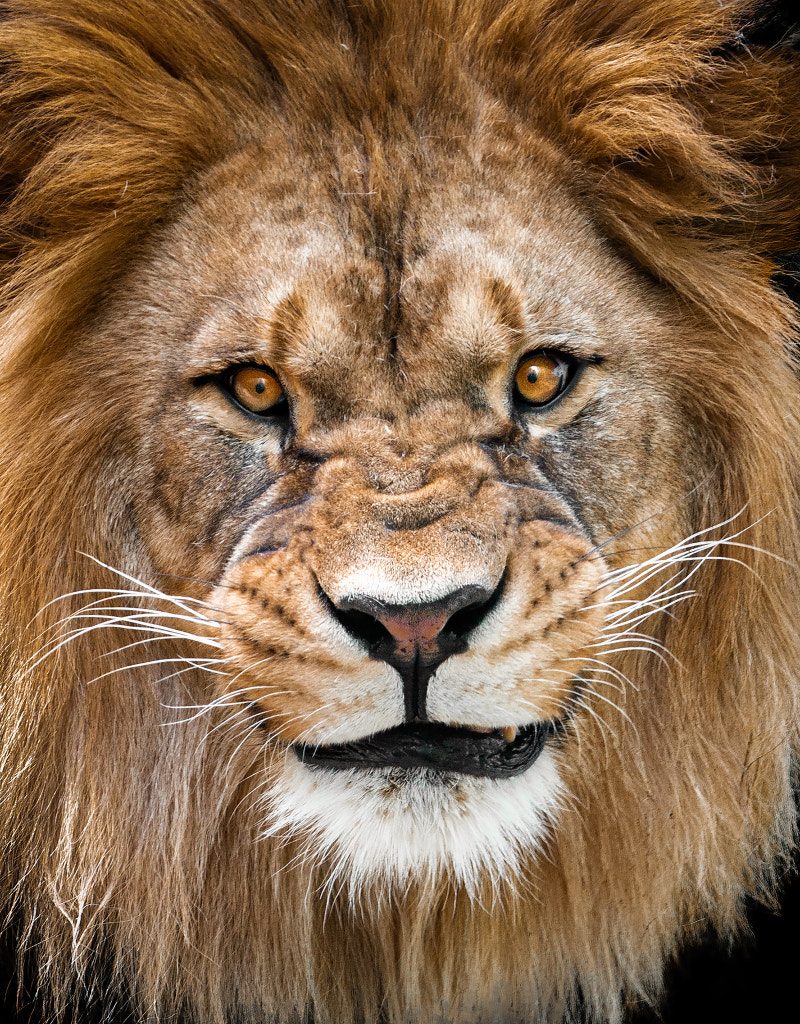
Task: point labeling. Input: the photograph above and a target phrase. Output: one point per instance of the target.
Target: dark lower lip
(438, 747)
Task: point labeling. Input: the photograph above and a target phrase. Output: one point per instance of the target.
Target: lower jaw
(435, 747)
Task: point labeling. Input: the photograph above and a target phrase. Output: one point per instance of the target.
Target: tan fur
(390, 203)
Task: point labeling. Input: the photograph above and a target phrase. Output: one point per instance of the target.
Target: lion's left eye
(542, 376)
(256, 388)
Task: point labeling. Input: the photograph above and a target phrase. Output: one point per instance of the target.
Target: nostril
(470, 615)
(468, 618)
(359, 624)
(362, 626)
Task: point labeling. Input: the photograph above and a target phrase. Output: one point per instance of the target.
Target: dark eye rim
(223, 381)
(575, 366)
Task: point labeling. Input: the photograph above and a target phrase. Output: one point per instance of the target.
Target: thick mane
(122, 834)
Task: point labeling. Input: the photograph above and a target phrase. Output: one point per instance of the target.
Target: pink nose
(415, 627)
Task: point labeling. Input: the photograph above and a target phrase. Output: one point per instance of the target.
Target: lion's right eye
(543, 376)
(256, 388)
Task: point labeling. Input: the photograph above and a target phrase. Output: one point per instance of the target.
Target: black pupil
(261, 387)
(533, 375)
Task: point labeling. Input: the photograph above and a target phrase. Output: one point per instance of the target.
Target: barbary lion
(399, 481)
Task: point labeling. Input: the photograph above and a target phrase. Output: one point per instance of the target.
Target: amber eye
(256, 388)
(541, 377)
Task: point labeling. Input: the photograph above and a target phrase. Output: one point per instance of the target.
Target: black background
(754, 983)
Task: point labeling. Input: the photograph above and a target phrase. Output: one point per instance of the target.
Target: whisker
(661, 511)
(225, 700)
(139, 643)
(136, 615)
(636, 618)
(190, 663)
(113, 594)
(600, 721)
(687, 552)
(610, 669)
(154, 620)
(627, 634)
(156, 633)
(148, 588)
(90, 629)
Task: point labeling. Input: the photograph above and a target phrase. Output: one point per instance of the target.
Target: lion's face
(397, 440)
(398, 489)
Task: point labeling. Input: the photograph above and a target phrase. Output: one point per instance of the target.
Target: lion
(399, 487)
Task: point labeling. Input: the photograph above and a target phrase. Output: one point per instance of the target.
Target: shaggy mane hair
(131, 868)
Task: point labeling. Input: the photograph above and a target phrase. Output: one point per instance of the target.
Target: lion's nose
(414, 625)
(415, 638)
(410, 625)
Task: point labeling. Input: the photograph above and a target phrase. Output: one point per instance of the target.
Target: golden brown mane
(130, 864)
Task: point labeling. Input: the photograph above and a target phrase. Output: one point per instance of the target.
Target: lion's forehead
(451, 280)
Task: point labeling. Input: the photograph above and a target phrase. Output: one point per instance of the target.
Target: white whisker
(190, 663)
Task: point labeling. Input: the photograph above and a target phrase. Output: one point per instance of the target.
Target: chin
(378, 830)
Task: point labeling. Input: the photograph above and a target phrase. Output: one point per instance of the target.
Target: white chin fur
(391, 826)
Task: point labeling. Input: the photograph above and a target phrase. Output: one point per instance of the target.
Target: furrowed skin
(398, 502)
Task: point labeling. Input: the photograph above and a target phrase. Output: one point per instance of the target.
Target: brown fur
(465, 179)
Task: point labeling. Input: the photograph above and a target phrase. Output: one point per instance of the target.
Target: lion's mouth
(444, 748)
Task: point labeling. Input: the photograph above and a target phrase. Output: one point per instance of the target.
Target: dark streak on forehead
(508, 303)
(285, 325)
